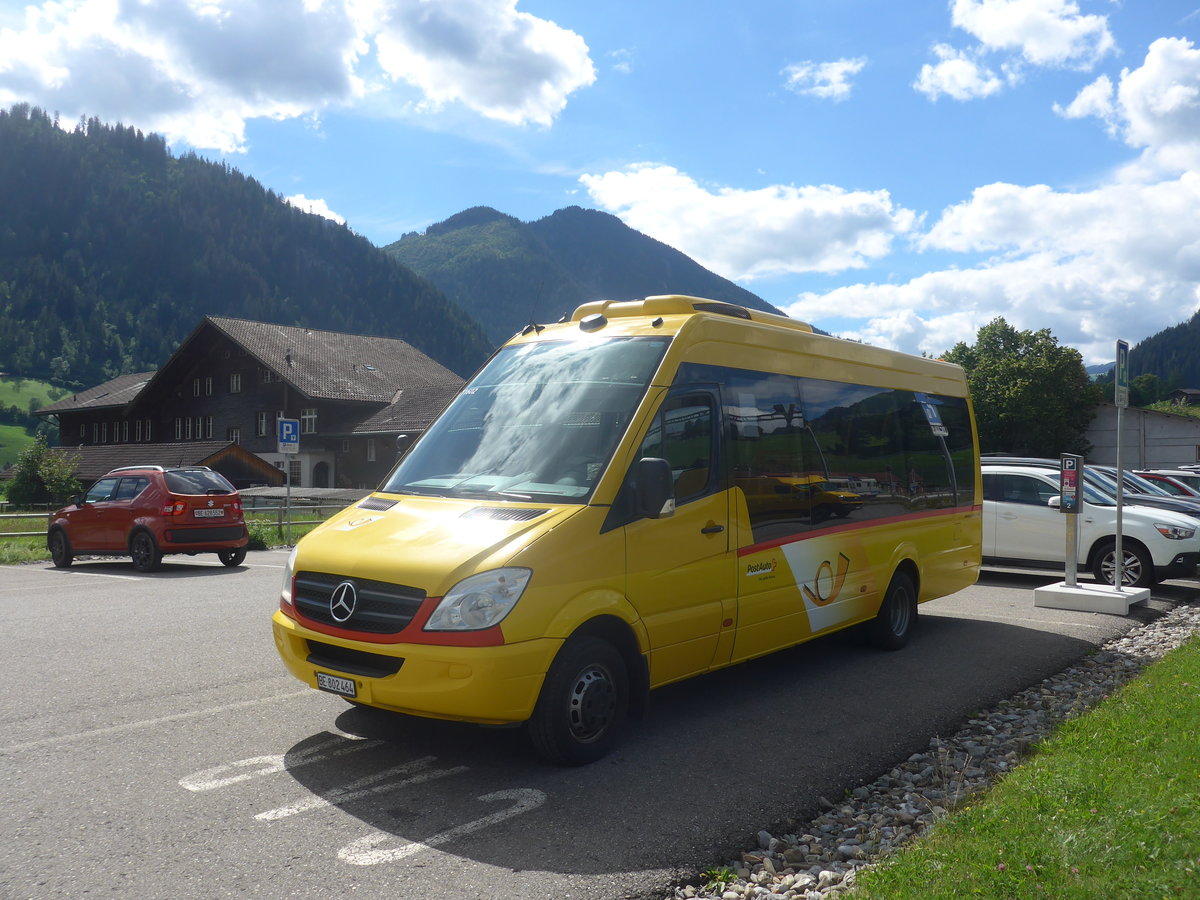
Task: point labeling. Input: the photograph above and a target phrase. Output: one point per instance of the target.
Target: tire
(232, 558)
(583, 704)
(1138, 569)
(897, 616)
(60, 549)
(145, 552)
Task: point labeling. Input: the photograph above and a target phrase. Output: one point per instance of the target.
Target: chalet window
(208, 386)
(125, 431)
(104, 432)
(195, 387)
(294, 472)
(137, 430)
(235, 383)
(233, 434)
(95, 432)
(187, 429)
(199, 427)
(208, 427)
(345, 446)
(148, 436)
(260, 424)
(308, 421)
(82, 432)
(178, 429)
(370, 449)
(267, 376)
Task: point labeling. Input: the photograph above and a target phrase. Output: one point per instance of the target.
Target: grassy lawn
(264, 533)
(13, 439)
(1107, 807)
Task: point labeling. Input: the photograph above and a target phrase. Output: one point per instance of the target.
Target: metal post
(1119, 573)
(287, 505)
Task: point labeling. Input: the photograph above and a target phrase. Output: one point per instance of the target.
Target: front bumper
(1183, 565)
(496, 685)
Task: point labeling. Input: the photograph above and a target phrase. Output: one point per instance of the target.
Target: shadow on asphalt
(756, 743)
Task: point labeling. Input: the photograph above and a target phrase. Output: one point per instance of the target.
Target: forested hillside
(1173, 355)
(112, 249)
(506, 272)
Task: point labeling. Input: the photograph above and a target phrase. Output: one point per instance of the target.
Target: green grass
(1109, 806)
(13, 440)
(18, 391)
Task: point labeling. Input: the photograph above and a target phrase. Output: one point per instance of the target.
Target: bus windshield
(539, 422)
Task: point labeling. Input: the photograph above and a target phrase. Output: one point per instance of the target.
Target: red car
(146, 511)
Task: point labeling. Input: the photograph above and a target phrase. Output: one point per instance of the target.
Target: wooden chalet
(216, 402)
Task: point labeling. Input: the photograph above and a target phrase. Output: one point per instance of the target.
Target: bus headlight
(289, 570)
(480, 601)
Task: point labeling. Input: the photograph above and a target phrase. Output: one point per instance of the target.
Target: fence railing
(283, 516)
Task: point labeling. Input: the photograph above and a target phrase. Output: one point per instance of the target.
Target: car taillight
(178, 508)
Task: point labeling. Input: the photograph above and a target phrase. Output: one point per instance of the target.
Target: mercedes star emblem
(342, 601)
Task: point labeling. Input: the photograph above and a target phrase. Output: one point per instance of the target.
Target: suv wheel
(60, 549)
(232, 557)
(145, 552)
(1137, 568)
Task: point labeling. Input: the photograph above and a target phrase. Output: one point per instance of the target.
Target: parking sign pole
(289, 445)
(1070, 496)
(1120, 400)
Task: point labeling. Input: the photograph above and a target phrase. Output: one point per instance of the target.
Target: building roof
(121, 391)
(409, 411)
(96, 460)
(333, 366)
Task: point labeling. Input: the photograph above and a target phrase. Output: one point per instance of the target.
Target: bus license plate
(335, 685)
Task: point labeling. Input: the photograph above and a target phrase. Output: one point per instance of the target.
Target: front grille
(354, 662)
(205, 535)
(380, 608)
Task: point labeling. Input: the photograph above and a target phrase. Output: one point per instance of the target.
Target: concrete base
(1090, 598)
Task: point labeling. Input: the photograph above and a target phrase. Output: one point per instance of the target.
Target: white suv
(1023, 527)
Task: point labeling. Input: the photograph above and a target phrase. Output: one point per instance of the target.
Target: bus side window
(683, 435)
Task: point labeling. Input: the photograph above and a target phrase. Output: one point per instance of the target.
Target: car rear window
(197, 481)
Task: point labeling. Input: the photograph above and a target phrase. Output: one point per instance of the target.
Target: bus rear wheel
(893, 624)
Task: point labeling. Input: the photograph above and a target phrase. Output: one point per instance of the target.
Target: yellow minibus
(644, 492)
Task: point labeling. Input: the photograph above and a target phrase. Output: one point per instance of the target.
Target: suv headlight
(480, 601)
(1174, 532)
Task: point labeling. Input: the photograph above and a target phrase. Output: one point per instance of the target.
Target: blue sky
(900, 173)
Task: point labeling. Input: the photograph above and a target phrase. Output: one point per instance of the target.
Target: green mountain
(507, 273)
(112, 249)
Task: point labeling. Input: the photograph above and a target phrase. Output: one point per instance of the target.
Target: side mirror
(1055, 502)
(655, 488)
(77, 499)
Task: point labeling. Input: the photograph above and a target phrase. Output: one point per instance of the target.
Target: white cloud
(501, 63)
(956, 75)
(751, 233)
(827, 80)
(315, 206)
(1119, 261)
(198, 71)
(1155, 107)
(1044, 32)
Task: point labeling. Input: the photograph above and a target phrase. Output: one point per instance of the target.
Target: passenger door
(680, 576)
(123, 509)
(1024, 526)
(90, 528)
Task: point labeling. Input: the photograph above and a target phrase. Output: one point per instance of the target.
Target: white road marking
(950, 615)
(218, 777)
(363, 852)
(150, 723)
(364, 787)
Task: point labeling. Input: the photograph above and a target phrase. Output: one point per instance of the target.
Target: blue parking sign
(289, 435)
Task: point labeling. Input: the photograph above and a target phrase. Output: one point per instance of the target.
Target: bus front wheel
(583, 704)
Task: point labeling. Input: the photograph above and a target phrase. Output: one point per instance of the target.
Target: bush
(43, 476)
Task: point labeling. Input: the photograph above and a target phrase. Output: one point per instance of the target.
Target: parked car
(147, 511)
(1165, 478)
(1135, 491)
(1024, 527)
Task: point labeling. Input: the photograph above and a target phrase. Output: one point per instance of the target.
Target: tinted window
(101, 490)
(197, 481)
(130, 487)
(682, 434)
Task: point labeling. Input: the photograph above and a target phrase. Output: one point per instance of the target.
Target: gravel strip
(821, 859)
